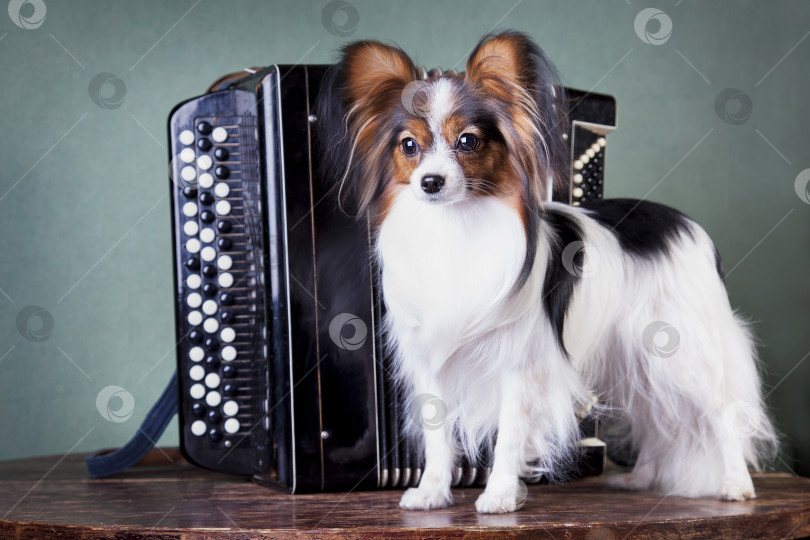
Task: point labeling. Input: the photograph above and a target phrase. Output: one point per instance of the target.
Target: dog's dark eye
(467, 142)
(409, 146)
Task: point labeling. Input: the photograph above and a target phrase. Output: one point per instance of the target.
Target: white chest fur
(446, 268)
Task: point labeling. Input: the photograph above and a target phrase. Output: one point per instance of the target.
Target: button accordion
(281, 369)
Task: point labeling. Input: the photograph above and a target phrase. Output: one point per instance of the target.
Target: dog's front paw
(503, 494)
(425, 499)
(737, 490)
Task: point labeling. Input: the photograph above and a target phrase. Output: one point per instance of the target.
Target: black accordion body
(281, 367)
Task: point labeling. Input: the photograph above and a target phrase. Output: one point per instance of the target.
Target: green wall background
(83, 193)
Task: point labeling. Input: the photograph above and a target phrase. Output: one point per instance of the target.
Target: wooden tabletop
(53, 497)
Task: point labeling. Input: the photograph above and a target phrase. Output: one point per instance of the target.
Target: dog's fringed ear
(510, 68)
(375, 72)
(356, 99)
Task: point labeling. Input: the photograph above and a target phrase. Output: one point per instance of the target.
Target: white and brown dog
(484, 309)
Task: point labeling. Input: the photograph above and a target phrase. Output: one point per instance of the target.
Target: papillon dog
(512, 311)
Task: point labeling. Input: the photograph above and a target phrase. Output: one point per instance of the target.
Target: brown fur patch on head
(514, 74)
(374, 76)
(374, 70)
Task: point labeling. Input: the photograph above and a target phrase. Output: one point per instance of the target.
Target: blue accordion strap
(100, 464)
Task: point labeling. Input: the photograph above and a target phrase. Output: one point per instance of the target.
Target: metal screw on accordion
(325, 434)
(312, 118)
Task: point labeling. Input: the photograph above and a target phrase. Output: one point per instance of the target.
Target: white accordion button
(193, 281)
(231, 425)
(194, 318)
(577, 164)
(204, 162)
(208, 253)
(211, 325)
(230, 408)
(219, 134)
(227, 335)
(190, 227)
(193, 245)
(196, 372)
(212, 380)
(190, 209)
(590, 152)
(197, 391)
(225, 280)
(601, 142)
(187, 155)
(207, 235)
(206, 180)
(222, 190)
(224, 262)
(577, 178)
(198, 428)
(577, 192)
(188, 173)
(187, 137)
(223, 208)
(196, 354)
(213, 399)
(228, 353)
(194, 300)
(209, 307)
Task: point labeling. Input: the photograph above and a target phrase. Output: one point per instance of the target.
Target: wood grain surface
(53, 497)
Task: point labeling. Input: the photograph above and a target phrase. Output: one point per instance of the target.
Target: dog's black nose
(432, 183)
